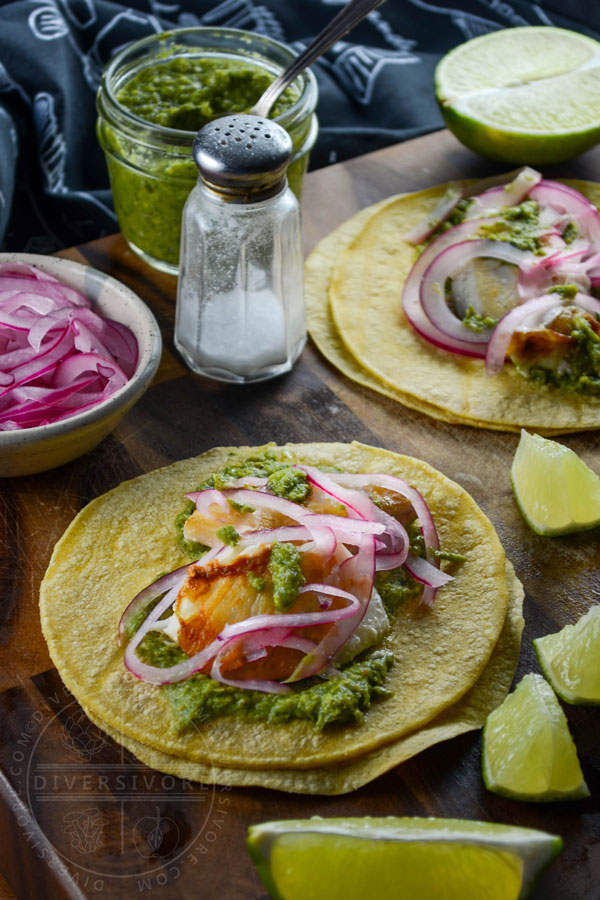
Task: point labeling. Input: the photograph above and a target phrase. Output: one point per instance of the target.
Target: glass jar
(150, 166)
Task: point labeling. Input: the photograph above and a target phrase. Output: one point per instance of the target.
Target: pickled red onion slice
(432, 289)
(51, 340)
(506, 327)
(411, 299)
(436, 217)
(358, 573)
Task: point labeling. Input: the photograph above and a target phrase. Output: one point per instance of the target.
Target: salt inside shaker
(240, 297)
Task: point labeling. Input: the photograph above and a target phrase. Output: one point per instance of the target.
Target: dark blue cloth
(376, 87)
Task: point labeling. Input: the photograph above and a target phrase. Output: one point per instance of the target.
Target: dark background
(376, 88)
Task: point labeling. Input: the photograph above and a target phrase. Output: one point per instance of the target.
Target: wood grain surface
(79, 817)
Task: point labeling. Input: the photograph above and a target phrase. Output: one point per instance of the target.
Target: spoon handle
(349, 16)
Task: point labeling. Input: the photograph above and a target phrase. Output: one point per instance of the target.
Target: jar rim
(303, 107)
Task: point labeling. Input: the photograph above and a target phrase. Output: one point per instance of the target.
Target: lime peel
(527, 750)
(523, 95)
(570, 659)
(554, 489)
(348, 859)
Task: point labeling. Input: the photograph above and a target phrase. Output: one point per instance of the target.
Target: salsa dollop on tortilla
(426, 661)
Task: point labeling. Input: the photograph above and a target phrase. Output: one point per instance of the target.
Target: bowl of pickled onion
(77, 350)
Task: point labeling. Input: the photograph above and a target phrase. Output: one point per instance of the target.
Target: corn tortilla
(469, 713)
(354, 283)
(126, 538)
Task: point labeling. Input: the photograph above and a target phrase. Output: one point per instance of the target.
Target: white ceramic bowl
(44, 447)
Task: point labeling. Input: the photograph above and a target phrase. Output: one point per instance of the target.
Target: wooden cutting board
(79, 817)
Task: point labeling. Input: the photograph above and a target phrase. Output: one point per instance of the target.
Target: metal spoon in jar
(349, 16)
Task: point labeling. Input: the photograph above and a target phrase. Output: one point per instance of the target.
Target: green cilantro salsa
(289, 483)
(342, 699)
(150, 177)
(256, 581)
(228, 535)
(477, 322)
(581, 372)
(324, 702)
(284, 566)
(186, 92)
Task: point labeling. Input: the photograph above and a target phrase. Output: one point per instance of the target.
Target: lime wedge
(523, 95)
(554, 489)
(570, 659)
(527, 750)
(388, 858)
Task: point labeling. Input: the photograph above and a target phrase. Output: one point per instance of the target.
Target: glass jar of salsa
(157, 93)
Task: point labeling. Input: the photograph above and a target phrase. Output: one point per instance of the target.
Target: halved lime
(527, 750)
(570, 659)
(523, 95)
(388, 858)
(555, 490)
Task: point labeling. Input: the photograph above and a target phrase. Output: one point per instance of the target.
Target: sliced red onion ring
(35, 402)
(148, 594)
(384, 562)
(518, 181)
(432, 290)
(144, 671)
(509, 194)
(205, 499)
(590, 304)
(250, 684)
(55, 320)
(45, 362)
(347, 525)
(286, 533)
(50, 287)
(249, 481)
(356, 573)
(21, 269)
(323, 541)
(17, 356)
(425, 573)
(508, 324)
(258, 642)
(426, 522)
(446, 205)
(264, 500)
(74, 366)
(297, 620)
(411, 300)
(357, 505)
(395, 537)
(35, 304)
(161, 586)
(398, 486)
(16, 321)
(566, 199)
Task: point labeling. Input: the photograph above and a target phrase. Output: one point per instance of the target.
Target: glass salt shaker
(240, 297)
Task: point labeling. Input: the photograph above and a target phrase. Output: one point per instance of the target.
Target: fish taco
(301, 617)
(475, 306)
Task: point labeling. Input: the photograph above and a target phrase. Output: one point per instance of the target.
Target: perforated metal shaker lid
(243, 157)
